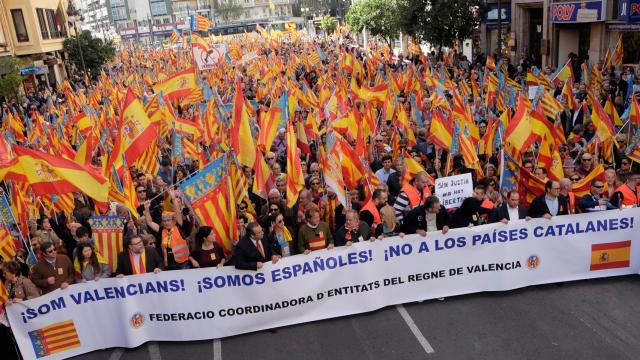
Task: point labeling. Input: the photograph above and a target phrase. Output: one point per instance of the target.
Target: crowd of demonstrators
(402, 155)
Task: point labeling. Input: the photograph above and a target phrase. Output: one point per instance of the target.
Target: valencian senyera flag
(54, 338)
(108, 233)
(209, 192)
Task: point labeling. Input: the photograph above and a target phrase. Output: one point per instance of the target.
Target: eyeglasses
(136, 244)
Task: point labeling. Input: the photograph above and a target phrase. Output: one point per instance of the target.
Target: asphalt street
(593, 319)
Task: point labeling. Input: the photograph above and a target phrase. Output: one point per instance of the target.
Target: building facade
(35, 31)
(96, 18)
(550, 30)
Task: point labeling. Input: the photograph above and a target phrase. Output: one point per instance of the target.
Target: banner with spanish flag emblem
(205, 303)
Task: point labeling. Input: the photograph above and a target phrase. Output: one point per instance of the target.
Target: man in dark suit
(254, 249)
(130, 260)
(429, 216)
(549, 204)
(509, 210)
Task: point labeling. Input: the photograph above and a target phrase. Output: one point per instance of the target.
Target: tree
(443, 22)
(95, 51)
(11, 81)
(228, 10)
(379, 17)
(329, 24)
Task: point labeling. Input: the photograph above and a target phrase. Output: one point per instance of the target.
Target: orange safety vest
(487, 204)
(630, 197)
(178, 245)
(371, 207)
(415, 198)
(572, 202)
(318, 243)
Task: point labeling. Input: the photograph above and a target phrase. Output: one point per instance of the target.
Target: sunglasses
(315, 171)
(50, 251)
(280, 221)
(315, 183)
(587, 159)
(598, 187)
(274, 209)
(141, 191)
(575, 179)
(270, 158)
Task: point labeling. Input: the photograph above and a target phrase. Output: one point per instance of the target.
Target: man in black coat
(424, 217)
(353, 230)
(549, 204)
(254, 249)
(509, 210)
(136, 251)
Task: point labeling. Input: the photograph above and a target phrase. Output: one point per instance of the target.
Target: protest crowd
(293, 144)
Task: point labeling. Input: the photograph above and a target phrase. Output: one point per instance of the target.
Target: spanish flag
(565, 73)
(241, 137)
(612, 255)
(48, 174)
(178, 85)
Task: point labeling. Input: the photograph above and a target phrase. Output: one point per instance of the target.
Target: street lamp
(73, 16)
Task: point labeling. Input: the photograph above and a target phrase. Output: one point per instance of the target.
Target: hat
(168, 215)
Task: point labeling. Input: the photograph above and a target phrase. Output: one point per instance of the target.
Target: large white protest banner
(452, 190)
(210, 303)
(207, 58)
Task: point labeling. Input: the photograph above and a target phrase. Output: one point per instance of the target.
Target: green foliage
(379, 17)
(329, 24)
(446, 21)
(95, 51)
(11, 81)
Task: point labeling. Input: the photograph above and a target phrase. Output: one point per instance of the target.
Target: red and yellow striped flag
(7, 246)
(295, 181)
(618, 53)
(108, 234)
(55, 338)
(211, 197)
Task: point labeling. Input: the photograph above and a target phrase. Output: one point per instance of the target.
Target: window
(19, 25)
(56, 33)
(43, 24)
(119, 13)
(158, 9)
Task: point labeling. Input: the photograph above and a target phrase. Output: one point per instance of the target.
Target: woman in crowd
(206, 251)
(18, 287)
(281, 236)
(90, 267)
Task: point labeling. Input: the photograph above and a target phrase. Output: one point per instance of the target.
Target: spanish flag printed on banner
(611, 255)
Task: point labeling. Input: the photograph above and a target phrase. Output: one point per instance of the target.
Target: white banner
(452, 190)
(210, 303)
(208, 59)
